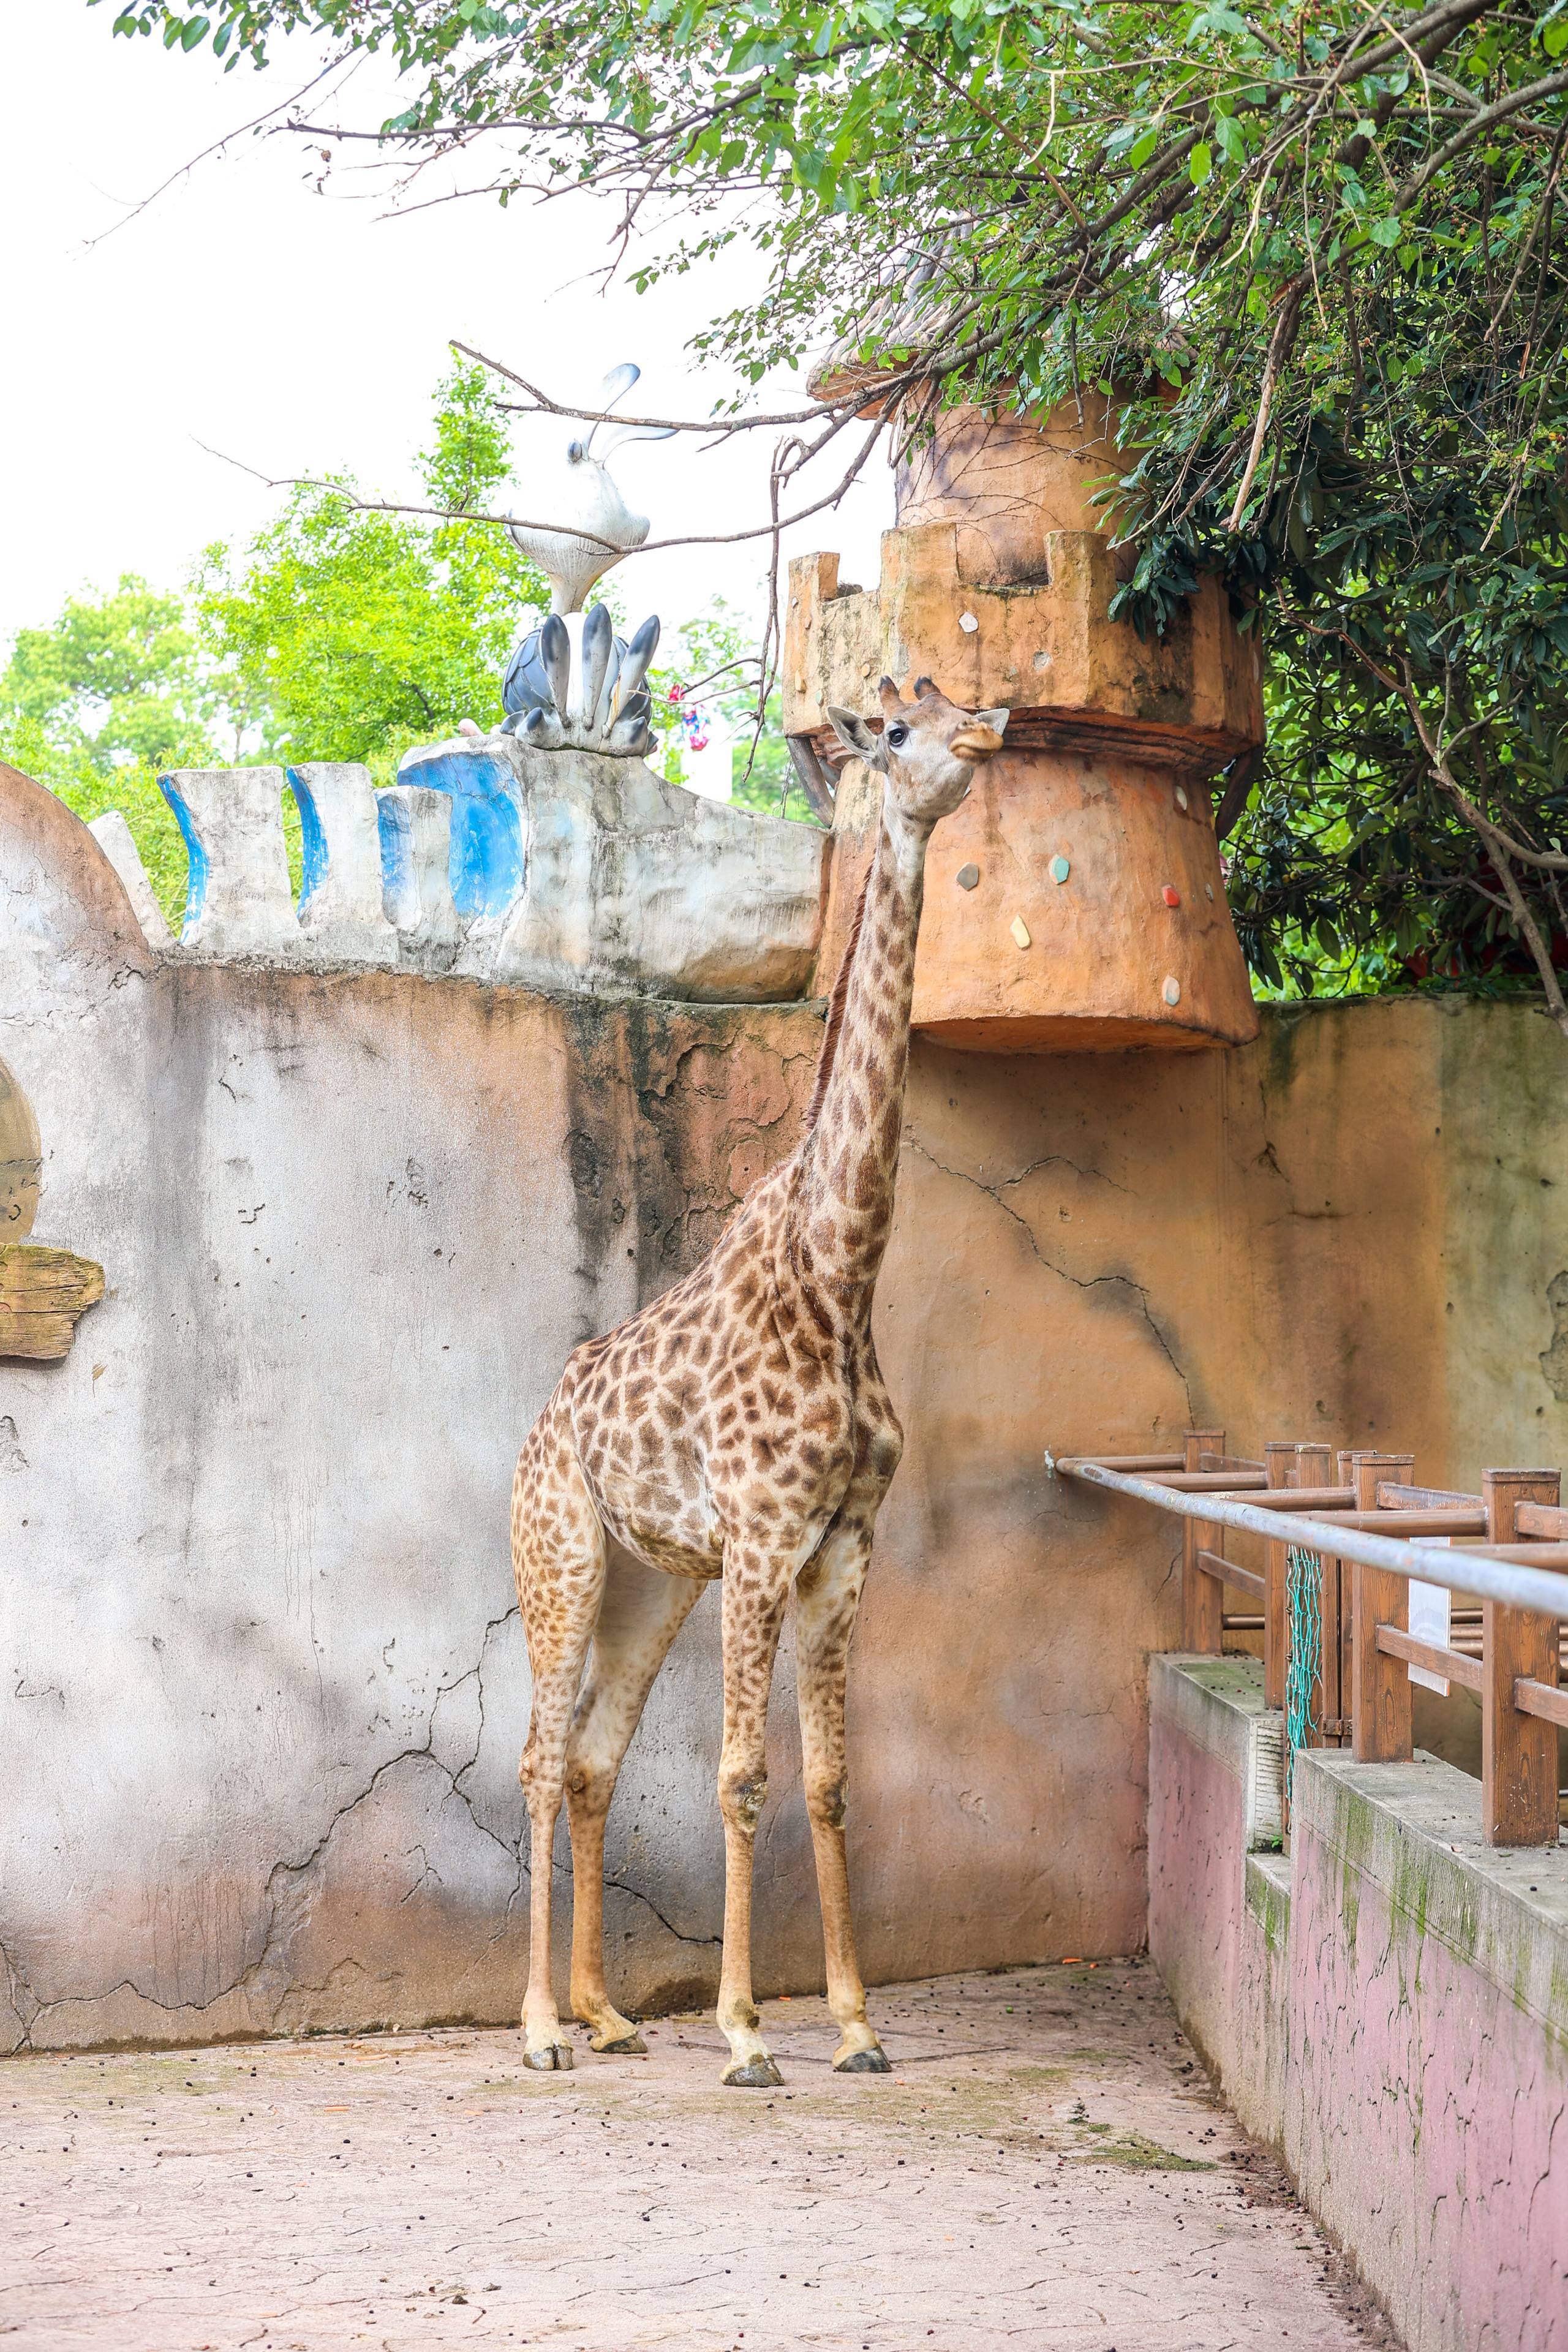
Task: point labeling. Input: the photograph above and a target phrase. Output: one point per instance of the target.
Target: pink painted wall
(1396, 2025)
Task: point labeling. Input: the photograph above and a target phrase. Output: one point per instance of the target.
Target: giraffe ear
(857, 737)
(996, 720)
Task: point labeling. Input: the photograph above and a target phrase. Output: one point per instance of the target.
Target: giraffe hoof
(555, 2058)
(756, 2074)
(630, 2045)
(863, 2061)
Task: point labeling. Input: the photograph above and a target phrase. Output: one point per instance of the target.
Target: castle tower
(1076, 901)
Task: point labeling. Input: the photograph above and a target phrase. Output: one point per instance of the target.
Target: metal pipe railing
(1508, 1582)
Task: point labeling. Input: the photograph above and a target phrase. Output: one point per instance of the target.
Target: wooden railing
(1359, 1530)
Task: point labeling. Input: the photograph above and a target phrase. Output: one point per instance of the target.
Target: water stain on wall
(1554, 1358)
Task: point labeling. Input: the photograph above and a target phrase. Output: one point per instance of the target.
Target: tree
(1315, 253)
(95, 705)
(117, 677)
(713, 664)
(336, 635)
(356, 633)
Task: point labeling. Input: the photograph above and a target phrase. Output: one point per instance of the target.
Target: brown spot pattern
(737, 1428)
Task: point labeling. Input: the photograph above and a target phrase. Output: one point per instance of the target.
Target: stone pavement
(1048, 2167)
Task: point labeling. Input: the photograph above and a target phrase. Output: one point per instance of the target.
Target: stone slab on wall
(261, 1686)
(1389, 2008)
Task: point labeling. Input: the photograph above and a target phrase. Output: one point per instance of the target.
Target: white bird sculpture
(571, 563)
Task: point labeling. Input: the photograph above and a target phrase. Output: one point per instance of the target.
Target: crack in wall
(1060, 1160)
(1080, 1281)
(30, 2008)
(668, 1924)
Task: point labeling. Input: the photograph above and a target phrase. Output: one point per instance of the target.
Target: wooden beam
(1211, 1482)
(42, 1293)
(1407, 1523)
(1518, 1751)
(1245, 1579)
(1542, 1699)
(1316, 1499)
(1433, 1656)
(1540, 1520)
(1136, 1462)
(1392, 1497)
(1538, 1555)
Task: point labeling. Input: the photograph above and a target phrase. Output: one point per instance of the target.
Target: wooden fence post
(1518, 1753)
(1314, 1467)
(1381, 1705)
(1202, 1597)
(1278, 1462)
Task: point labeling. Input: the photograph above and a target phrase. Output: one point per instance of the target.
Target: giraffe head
(928, 750)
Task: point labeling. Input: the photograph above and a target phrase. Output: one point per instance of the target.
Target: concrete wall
(1389, 2008)
(261, 1684)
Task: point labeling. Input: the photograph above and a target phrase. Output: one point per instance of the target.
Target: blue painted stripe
(313, 839)
(195, 856)
(487, 864)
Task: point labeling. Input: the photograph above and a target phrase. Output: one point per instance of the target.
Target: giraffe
(738, 1428)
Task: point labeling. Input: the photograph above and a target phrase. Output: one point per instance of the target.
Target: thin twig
(1280, 344)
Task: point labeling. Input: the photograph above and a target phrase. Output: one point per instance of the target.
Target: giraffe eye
(897, 735)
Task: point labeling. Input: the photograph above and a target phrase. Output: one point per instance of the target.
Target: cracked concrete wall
(263, 1689)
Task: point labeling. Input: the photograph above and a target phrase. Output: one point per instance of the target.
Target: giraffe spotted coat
(738, 1429)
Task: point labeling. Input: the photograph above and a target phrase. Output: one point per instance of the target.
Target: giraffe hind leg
(756, 1586)
(827, 1597)
(558, 1557)
(639, 1616)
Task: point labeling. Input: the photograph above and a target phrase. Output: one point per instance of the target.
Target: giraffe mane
(835, 1004)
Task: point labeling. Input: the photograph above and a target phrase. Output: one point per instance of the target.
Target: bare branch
(544, 406)
(1498, 848)
(1280, 344)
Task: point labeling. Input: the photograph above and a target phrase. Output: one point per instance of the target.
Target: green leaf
(1200, 163)
(1385, 232)
(1142, 148)
(1554, 40)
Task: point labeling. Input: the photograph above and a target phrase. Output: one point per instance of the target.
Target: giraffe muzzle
(975, 743)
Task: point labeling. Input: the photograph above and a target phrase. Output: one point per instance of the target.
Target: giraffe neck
(849, 1161)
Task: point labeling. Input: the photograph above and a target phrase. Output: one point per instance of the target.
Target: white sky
(299, 332)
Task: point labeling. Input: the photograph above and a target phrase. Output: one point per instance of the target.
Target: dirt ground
(1046, 2166)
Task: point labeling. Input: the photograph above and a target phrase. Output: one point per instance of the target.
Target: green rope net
(1304, 1651)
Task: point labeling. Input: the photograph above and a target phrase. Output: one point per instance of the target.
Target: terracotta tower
(1076, 901)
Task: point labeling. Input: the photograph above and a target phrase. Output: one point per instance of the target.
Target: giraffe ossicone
(738, 1429)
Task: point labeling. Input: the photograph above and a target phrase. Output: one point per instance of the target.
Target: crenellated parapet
(493, 859)
(1075, 902)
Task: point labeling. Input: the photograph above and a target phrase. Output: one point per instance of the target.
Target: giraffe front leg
(827, 1600)
(755, 1588)
(640, 1614)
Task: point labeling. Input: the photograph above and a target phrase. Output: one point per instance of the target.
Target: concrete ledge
(1388, 2008)
(1217, 1703)
(1413, 1833)
(1266, 1888)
